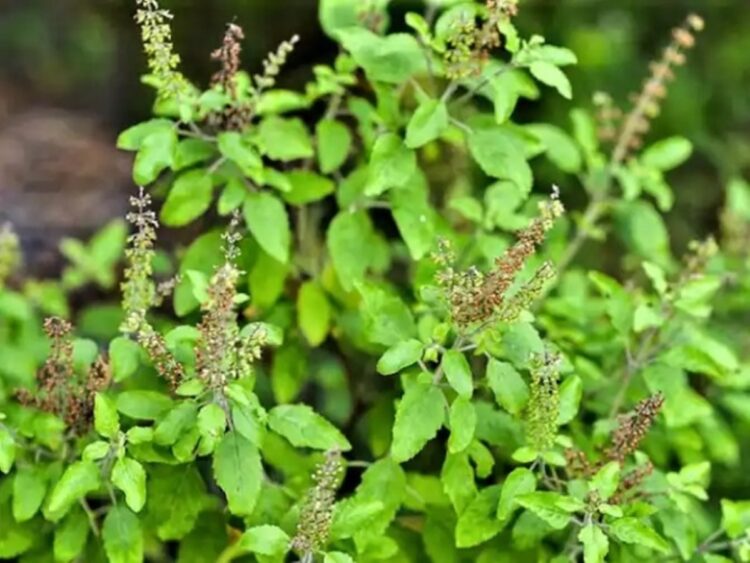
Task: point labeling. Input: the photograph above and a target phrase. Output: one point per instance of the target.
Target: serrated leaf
(501, 155)
(595, 543)
(238, 471)
(29, 489)
(304, 428)
(463, 422)
(638, 532)
(334, 141)
(78, 480)
(106, 419)
(122, 536)
(264, 540)
(458, 372)
(129, 476)
(189, 198)
(392, 164)
(284, 139)
(549, 74)
(520, 481)
(399, 356)
(478, 523)
(419, 415)
(429, 121)
(571, 391)
(510, 390)
(667, 154)
(268, 222)
(606, 480)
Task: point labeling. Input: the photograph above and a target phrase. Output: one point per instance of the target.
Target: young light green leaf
(571, 391)
(393, 58)
(29, 488)
(349, 240)
(304, 428)
(463, 422)
(238, 471)
(141, 404)
(334, 142)
(478, 523)
(307, 187)
(106, 419)
(7, 450)
(735, 517)
(632, 530)
(189, 198)
(429, 121)
(71, 535)
(313, 312)
(458, 372)
(392, 164)
(595, 543)
(122, 536)
(124, 355)
(129, 476)
(520, 481)
(606, 480)
(399, 356)
(419, 415)
(667, 154)
(510, 390)
(177, 421)
(284, 139)
(233, 146)
(549, 74)
(264, 540)
(500, 154)
(78, 480)
(554, 508)
(337, 557)
(268, 222)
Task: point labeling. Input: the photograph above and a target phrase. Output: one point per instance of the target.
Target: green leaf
(642, 229)
(429, 121)
(155, 154)
(735, 517)
(95, 450)
(349, 240)
(304, 428)
(129, 476)
(387, 319)
(175, 423)
(71, 535)
(571, 391)
(285, 139)
(520, 481)
(189, 198)
(176, 496)
(595, 543)
(232, 146)
(606, 480)
(632, 530)
(212, 421)
(264, 540)
(268, 222)
(334, 142)
(190, 152)
(549, 74)
(554, 508)
(7, 450)
(314, 313)
(559, 147)
(29, 489)
(132, 138)
(509, 388)
(337, 557)
(266, 280)
(463, 422)
(124, 356)
(500, 154)
(419, 415)
(458, 372)
(78, 480)
(667, 153)
(478, 523)
(238, 472)
(399, 356)
(457, 477)
(414, 216)
(307, 187)
(394, 58)
(392, 164)
(106, 419)
(145, 405)
(122, 536)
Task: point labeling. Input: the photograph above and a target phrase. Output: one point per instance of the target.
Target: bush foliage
(380, 346)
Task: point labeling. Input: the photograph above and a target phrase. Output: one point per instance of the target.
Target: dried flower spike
(646, 105)
(237, 115)
(633, 427)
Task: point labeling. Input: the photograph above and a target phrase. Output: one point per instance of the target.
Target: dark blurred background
(70, 81)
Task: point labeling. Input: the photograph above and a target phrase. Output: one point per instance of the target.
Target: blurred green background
(84, 57)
